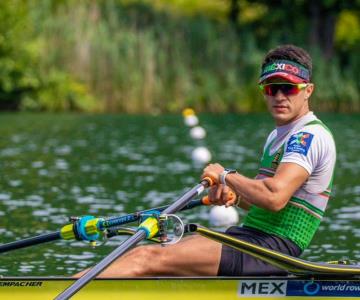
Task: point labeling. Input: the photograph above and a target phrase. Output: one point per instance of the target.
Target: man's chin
(281, 118)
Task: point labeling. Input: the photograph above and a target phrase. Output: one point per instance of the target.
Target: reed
(134, 59)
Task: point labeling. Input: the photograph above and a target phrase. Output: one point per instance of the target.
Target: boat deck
(180, 288)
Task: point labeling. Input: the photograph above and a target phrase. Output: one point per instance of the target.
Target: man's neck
(298, 121)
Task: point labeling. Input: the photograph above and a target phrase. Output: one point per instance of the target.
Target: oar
(147, 229)
(36, 240)
(109, 223)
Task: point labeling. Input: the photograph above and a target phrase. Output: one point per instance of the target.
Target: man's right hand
(222, 195)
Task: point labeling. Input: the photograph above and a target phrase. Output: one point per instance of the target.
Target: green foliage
(60, 92)
(347, 33)
(215, 9)
(335, 90)
(136, 59)
(142, 56)
(25, 81)
(16, 75)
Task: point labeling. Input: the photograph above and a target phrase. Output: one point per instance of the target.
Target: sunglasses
(287, 89)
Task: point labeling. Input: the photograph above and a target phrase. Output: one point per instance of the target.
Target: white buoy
(201, 155)
(191, 120)
(197, 132)
(222, 216)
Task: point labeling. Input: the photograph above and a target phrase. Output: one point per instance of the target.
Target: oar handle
(208, 181)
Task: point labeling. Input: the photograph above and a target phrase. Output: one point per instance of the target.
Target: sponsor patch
(300, 143)
(323, 288)
(20, 283)
(297, 288)
(264, 288)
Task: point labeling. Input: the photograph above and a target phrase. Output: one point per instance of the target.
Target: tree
(16, 59)
(234, 13)
(323, 17)
(317, 19)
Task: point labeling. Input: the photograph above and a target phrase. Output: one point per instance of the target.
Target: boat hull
(183, 288)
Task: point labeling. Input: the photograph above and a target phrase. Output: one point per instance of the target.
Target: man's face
(284, 107)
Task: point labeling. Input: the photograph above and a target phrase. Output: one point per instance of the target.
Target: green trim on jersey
(299, 219)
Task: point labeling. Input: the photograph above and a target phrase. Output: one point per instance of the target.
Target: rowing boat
(307, 280)
(207, 288)
(313, 280)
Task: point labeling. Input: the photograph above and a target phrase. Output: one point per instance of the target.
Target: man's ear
(309, 90)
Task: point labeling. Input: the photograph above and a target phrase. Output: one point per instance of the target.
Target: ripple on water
(95, 189)
(352, 190)
(63, 150)
(118, 208)
(15, 183)
(75, 190)
(44, 173)
(348, 213)
(60, 219)
(339, 227)
(8, 152)
(61, 164)
(22, 203)
(123, 196)
(177, 167)
(81, 143)
(36, 198)
(37, 164)
(48, 210)
(155, 198)
(356, 232)
(26, 268)
(17, 138)
(104, 204)
(86, 168)
(4, 196)
(5, 232)
(143, 168)
(98, 207)
(82, 256)
(85, 199)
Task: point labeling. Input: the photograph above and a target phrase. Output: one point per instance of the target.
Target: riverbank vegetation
(161, 56)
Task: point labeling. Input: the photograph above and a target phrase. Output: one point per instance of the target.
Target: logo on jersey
(277, 157)
(299, 143)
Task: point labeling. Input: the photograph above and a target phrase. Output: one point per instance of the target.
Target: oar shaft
(44, 238)
(133, 217)
(183, 200)
(131, 242)
(92, 273)
(112, 222)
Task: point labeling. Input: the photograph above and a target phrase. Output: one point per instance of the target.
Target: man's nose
(279, 95)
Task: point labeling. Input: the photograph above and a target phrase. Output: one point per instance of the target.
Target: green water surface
(56, 166)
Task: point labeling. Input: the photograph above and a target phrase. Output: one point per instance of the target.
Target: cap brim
(288, 77)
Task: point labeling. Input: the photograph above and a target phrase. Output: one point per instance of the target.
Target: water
(56, 166)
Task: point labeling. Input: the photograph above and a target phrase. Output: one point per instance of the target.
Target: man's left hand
(213, 171)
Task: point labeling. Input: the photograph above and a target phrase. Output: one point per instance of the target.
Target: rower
(285, 202)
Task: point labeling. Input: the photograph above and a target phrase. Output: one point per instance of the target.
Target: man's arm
(270, 193)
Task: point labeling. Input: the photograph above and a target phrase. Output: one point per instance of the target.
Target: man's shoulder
(317, 129)
(314, 136)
